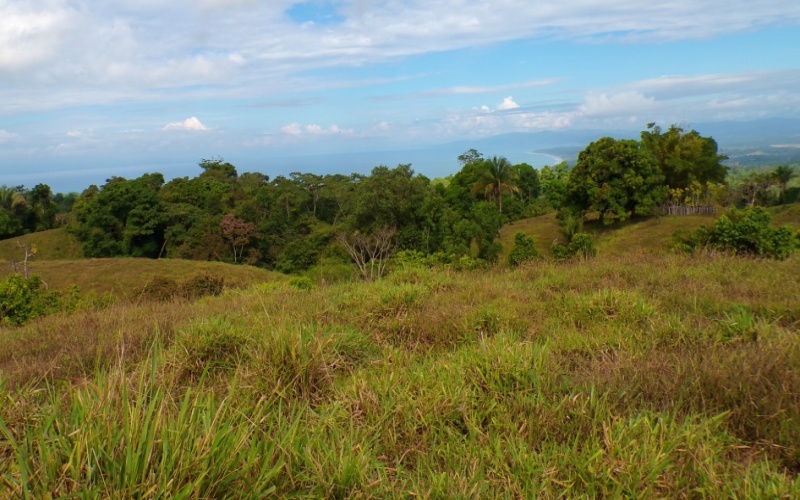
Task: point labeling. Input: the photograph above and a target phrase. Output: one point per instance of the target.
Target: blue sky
(91, 88)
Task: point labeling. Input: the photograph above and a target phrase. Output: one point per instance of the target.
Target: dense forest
(295, 223)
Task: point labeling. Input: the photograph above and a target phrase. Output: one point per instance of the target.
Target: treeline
(304, 220)
(292, 223)
(24, 211)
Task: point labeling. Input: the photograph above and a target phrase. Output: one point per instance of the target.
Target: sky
(90, 89)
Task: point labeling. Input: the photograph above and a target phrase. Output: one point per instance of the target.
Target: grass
(651, 234)
(54, 244)
(122, 277)
(635, 375)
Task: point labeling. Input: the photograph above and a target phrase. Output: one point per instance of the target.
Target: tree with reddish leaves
(238, 234)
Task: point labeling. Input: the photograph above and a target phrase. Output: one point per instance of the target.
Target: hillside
(124, 275)
(637, 375)
(649, 235)
(53, 244)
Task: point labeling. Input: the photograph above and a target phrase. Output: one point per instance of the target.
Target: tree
(218, 168)
(497, 177)
(782, 175)
(124, 217)
(237, 234)
(528, 182)
(370, 252)
(615, 179)
(554, 182)
(470, 156)
(683, 156)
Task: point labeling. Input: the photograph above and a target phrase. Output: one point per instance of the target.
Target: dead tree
(371, 252)
(29, 251)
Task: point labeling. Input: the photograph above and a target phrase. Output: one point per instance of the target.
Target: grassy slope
(628, 376)
(54, 244)
(122, 276)
(639, 235)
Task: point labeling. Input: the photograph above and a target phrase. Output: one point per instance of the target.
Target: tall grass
(629, 376)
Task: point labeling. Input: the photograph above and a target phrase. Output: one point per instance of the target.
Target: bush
(582, 246)
(23, 299)
(742, 231)
(202, 285)
(559, 251)
(523, 250)
(301, 283)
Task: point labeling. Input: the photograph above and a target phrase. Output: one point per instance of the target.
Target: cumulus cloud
(508, 103)
(192, 124)
(292, 129)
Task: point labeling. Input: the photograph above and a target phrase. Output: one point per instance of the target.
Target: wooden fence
(684, 210)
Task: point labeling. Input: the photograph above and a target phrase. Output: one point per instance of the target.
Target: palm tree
(11, 198)
(783, 174)
(498, 177)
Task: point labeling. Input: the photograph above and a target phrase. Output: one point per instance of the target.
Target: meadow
(640, 373)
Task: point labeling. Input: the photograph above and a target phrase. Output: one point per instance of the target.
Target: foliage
(582, 246)
(684, 157)
(23, 299)
(742, 231)
(615, 179)
(523, 250)
(497, 177)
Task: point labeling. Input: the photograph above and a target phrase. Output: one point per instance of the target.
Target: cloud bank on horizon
(134, 81)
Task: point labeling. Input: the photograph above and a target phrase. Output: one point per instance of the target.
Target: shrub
(559, 251)
(746, 231)
(582, 245)
(301, 283)
(523, 250)
(23, 299)
(202, 285)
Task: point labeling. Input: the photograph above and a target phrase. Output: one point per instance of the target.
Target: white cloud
(292, 129)
(625, 103)
(192, 124)
(74, 133)
(313, 129)
(508, 103)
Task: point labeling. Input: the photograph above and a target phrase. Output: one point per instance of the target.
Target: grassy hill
(54, 244)
(124, 275)
(638, 375)
(649, 235)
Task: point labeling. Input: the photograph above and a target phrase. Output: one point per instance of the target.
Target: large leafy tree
(615, 179)
(498, 177)
(124, 217)
(684, 156)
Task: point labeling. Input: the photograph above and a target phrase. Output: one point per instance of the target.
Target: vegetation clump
(743, 232)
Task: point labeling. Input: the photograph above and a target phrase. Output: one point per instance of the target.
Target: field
(637, 374)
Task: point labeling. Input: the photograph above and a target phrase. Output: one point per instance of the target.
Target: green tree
(498, 177)
(124, 217)
(683, 156)
(782, 175)
(218, 168)
(615, 179)
(554, 181)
